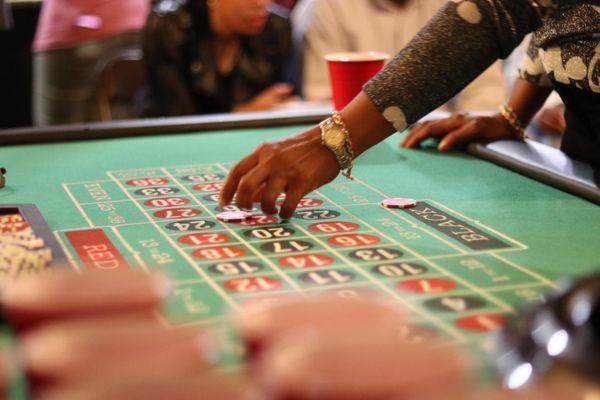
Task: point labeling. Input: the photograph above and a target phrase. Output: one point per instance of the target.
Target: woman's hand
(299, 164)
(294, 166)
(268, 99)
(460, 129)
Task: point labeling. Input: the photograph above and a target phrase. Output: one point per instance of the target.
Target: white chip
(398, 202)
(234, 216)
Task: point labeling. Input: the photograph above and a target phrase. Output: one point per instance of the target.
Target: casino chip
(22, 252)
(234, 216)
(398, 202)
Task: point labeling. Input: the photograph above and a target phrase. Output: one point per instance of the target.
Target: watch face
(335, 137)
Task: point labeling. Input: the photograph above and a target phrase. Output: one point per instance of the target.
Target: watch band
(343, 154)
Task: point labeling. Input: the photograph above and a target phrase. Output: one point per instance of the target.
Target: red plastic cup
(350, 71)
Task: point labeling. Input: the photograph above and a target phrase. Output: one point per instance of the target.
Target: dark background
(15, 66)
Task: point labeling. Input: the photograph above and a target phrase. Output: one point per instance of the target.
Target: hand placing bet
(295, 166)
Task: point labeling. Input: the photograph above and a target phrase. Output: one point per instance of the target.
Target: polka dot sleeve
(459, 43)
(532, 68)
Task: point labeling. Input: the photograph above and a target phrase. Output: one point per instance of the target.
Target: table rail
(542, 163)
(157, 126)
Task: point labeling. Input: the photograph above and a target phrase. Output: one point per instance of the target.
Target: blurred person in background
(332, 26)
(75, 39)
(211, 56)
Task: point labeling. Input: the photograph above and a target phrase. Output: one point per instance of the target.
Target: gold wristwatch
(335, 136)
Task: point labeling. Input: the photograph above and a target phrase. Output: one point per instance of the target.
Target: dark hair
(197, 10)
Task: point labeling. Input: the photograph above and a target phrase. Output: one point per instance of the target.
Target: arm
(457, 45)
(527, 97)
(428, 72)
(481, 31)
(526, 100)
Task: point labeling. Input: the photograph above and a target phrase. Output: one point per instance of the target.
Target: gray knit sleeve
(460, 42)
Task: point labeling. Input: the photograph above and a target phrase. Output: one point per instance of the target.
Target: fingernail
(442, 146)
(162, 285)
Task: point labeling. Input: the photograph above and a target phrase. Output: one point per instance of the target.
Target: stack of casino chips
(21, 251)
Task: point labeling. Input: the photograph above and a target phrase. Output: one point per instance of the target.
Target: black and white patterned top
(467, 36)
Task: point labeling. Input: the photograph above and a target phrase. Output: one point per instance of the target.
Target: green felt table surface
(547, 235)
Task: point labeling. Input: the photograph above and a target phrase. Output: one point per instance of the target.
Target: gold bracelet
(337, 118)
(509, 115)
(335, 136)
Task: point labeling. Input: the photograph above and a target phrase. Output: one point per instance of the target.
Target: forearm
(457, 45)
(366, 125)
(527, 99)
(432, 69)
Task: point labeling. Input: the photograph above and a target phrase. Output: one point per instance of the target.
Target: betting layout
(447, 269)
